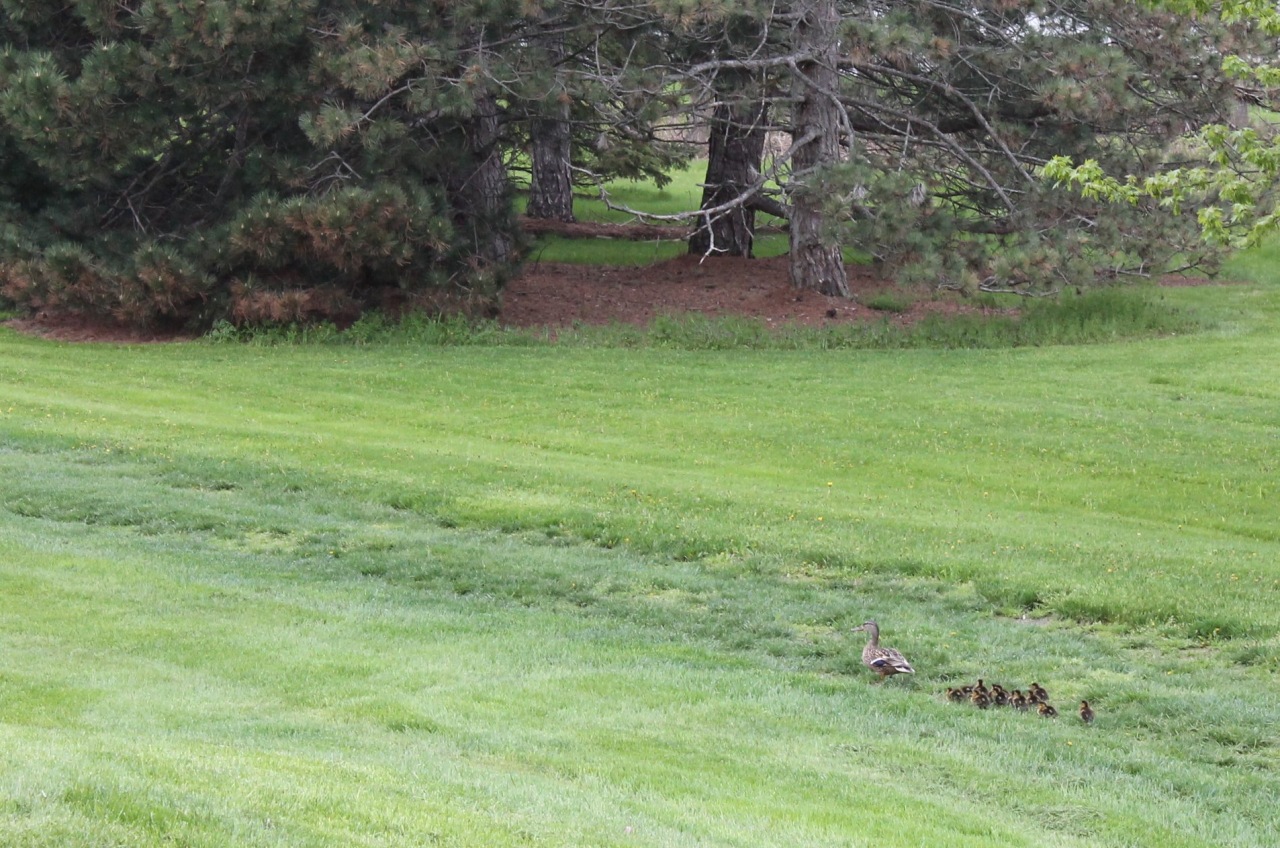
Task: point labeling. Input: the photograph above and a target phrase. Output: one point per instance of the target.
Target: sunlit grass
(1259, 264)
(683, 194)
(592, 251)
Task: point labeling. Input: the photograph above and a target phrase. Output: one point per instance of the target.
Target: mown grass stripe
(512, 596)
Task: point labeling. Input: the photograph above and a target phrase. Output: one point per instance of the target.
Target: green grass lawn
(415, 595)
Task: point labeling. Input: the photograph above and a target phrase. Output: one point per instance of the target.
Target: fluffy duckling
(1086, 712)
(956, 694)
(981, 687)
(1046, 710)
(1019, 701)
(1038, 694)
(979, 699)
(885, 662)
(999, 696)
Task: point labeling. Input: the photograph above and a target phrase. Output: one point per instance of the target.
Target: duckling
(1086, 712)
(999, 696)
(981, 687)
(1019, 701)
(1046, 710)
(979, 699)
(1038, 694)
(955, 694)
(885, 662)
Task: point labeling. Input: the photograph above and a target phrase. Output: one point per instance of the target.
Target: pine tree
(177, 161)
(1235, 190)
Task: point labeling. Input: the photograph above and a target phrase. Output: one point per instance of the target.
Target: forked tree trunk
(551, 186)
(815, 261)
(734, 152)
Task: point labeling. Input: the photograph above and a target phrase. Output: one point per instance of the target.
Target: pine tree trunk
(551, 139)
(734, 152)
(551, 186)
(480, 193)
(815, 261)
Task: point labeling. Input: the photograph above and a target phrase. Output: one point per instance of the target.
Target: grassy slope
(318, 596)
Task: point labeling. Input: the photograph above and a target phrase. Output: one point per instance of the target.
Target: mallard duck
(999, 697)
(1046, 710)
(1019, 701)
(955, 694)
(885, 662)
(1038, 694)
(981, 687)
(979, 699)
(1086, 712)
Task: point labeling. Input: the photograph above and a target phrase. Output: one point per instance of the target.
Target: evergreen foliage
(950, 111)
(177, 162)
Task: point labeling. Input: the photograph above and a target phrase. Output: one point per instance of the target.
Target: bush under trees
(178, 161)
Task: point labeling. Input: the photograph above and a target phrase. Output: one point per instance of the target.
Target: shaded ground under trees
(553, 295)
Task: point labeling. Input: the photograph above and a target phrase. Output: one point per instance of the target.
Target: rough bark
(551, 142)
(734, 151)
(551, 185)
(481, 192)
(815, 261)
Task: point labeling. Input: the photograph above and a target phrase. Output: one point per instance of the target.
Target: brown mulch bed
(558, 295)
(554, 295)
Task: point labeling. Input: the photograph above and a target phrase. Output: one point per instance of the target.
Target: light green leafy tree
(1226, 175)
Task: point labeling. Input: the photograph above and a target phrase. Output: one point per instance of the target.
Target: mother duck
(883, 661)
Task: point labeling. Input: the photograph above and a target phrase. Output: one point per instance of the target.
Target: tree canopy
(181, 161)
(950, 116)
(1227, 172)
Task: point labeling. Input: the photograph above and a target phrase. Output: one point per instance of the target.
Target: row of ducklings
(982, 697)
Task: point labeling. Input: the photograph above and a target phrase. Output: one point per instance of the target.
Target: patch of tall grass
(375, 328)
(1093, 316)
(896, 302)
